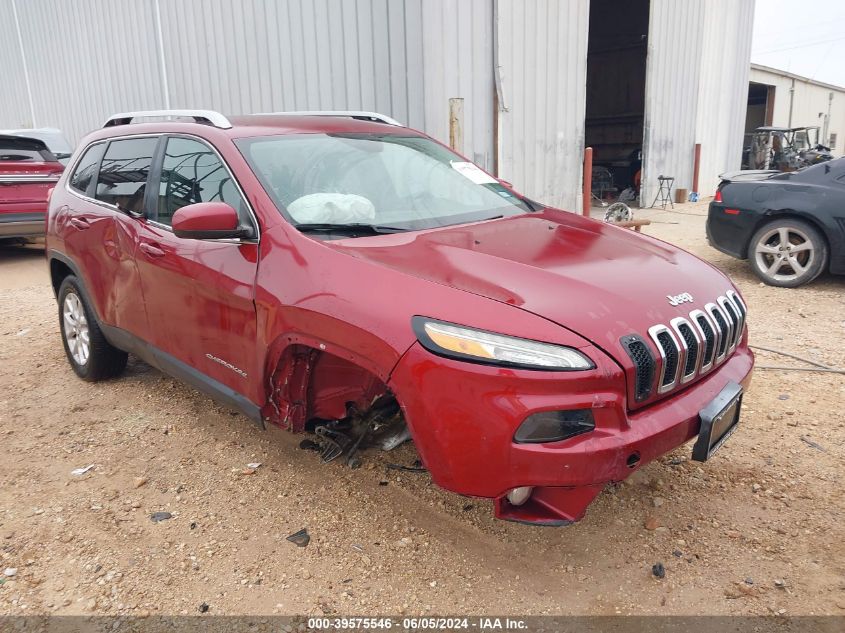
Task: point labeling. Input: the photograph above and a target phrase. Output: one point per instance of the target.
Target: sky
(805, 37)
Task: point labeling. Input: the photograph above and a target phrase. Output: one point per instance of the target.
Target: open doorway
(761, 105)
(615, 113)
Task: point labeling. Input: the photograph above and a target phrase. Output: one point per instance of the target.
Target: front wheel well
(58, 271)
(308, 383)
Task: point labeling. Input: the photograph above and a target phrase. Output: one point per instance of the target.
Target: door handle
(80, 223)
(151, 249)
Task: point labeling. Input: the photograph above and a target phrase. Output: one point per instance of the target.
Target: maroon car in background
(353, 278)
(28, 171)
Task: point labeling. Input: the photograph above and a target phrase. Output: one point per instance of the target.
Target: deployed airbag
(332, 208)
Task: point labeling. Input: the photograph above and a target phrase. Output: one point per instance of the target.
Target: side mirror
(207, 221)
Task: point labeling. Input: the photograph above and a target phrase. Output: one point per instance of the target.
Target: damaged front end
(343, 405)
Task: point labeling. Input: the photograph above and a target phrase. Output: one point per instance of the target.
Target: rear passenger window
(86, 168)
(191, 173)
(123, 173)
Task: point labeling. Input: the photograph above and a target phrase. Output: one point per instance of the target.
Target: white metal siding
(14, 103)
(696, 90)
(543, 66)
(91, 58)
(672, 88)
(406, 58)
(457, 42)
(723, 92)
(88, 59)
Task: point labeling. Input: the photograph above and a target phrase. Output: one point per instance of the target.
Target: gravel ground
(757, 530)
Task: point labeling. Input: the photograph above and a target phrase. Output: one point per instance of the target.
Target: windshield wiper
(352, 227)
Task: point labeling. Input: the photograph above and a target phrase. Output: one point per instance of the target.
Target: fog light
(554, 426)
(518, 496)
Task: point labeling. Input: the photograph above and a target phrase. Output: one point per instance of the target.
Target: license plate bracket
(719, 420)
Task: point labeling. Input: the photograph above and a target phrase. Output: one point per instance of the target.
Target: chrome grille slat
(741, 311)
(733, 321)
(670, 354)
(691, 345)
(720, 321)
(708, 337)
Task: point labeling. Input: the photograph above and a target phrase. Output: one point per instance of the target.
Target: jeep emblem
(675, 300)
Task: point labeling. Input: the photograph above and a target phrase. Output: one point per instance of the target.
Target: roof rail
(208, 117)
(352, 114)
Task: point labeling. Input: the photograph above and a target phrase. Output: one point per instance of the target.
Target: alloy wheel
(76, 332)
(784, 253)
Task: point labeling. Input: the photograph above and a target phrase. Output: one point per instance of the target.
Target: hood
(600, 281)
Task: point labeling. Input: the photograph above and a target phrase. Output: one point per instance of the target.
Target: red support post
(588, 181)
(695, 168)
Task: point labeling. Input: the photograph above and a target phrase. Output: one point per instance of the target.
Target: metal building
(783, 99)
(539, 78)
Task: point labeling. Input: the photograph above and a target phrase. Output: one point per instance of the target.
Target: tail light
(718, 196)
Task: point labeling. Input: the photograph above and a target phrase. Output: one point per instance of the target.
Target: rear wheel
(92, 357)
(788, 253)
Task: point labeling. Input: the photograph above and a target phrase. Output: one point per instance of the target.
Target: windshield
(389, 181)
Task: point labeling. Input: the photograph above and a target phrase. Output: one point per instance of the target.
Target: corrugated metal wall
(672, 88)
(14, 102)
(91, 58)
(88, 59)
(405, 59)
(543, 66)
(723, 91)
(696, 90)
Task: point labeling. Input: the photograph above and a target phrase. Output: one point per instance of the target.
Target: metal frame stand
(664, 192)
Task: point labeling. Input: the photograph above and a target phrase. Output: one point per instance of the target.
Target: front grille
(643, 366)
(686, 348)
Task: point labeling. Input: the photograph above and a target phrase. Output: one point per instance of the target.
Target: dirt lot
(757, 530)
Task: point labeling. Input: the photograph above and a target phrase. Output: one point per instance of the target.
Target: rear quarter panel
(821, 203)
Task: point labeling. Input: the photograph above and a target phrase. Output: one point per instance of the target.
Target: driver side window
(191, 173)
(124, 170)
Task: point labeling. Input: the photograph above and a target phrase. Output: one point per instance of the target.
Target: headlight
(455, 341)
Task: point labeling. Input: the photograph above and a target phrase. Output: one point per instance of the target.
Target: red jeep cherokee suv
(354, 278)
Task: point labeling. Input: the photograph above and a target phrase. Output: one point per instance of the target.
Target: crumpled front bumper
(463, 417)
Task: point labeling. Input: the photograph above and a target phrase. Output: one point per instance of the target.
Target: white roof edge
(786, 73)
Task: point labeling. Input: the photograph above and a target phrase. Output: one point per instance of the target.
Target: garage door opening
(616, 76)
(761, 104)
(761, 107)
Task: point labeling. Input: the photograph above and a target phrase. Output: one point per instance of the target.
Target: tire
(98, 360)
(788, 253)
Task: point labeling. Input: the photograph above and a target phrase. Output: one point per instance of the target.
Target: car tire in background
(92, 357)
(787, 253)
